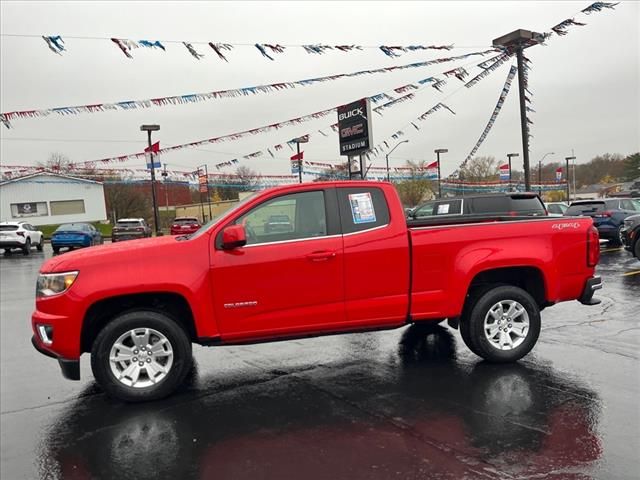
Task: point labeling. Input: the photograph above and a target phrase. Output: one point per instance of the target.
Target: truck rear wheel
(503, 325)
(140, 356)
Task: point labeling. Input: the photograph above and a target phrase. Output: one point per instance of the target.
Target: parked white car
(20, 235)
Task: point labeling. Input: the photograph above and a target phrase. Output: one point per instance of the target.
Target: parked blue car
(608, 215)
(75, 235)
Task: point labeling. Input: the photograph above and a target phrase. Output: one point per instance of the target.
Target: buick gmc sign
(354, 127)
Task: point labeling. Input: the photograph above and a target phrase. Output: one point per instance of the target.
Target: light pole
(574, 173)
(165, 176)
(518, 40)
(438, 151)
(300, 140)
(149, 129)
(389, 153)
(510, 156)
(540, 171)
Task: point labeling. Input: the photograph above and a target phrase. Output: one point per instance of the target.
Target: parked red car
(350, 262)
(185, 225)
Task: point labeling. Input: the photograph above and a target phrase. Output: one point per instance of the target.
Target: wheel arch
(529, 278)
(101, 312)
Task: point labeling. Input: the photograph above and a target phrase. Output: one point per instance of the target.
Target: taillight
(20, 234)
(593, 246)
(604, 214)
(139, 229)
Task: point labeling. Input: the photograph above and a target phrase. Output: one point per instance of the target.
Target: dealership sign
(354, 127)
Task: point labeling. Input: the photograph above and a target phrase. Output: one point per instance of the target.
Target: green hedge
(103, 228)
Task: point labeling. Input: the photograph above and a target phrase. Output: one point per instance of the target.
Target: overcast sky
(585, 85)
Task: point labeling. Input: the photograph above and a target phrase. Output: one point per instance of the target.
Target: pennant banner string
(265, 49)
(494, 115)
(7, 117)
(256, 154)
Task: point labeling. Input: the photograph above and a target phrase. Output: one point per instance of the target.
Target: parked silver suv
(129, 229)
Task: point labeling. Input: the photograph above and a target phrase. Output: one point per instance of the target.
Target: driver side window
(289, 217)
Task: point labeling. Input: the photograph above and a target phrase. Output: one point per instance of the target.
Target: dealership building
(50, 199)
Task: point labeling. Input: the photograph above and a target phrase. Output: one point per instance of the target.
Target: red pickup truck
(350, 262)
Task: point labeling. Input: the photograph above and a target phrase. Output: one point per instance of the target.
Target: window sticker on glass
(443, 209)
(362, 208)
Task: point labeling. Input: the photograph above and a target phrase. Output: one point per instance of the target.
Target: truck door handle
(321, 255)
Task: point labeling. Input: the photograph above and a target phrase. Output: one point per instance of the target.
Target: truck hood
(151, 249)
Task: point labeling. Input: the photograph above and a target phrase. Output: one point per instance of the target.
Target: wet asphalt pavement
(411, 403)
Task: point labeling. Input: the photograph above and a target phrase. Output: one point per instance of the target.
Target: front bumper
(70, 368)
(591, 285)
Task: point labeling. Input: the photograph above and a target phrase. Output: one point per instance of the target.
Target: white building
(51, 199)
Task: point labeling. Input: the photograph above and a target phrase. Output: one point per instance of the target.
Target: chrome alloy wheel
(506, 325)
(141, 357)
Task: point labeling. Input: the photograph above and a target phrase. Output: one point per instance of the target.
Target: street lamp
(149, 129)
(509, 156)
(574, 175)
(540, 171)
(298, 141)
(389, 153)
(518, 40)
(438, 151)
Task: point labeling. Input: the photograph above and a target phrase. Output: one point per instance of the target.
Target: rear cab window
(362, 208)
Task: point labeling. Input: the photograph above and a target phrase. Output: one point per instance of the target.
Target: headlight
(49, 284)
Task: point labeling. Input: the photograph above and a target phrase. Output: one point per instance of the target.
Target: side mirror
(233, 236)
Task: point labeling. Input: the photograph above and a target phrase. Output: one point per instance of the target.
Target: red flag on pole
(299, 156)
(155, 148)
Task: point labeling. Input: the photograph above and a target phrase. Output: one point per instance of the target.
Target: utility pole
(149, 129)
(438, 151)
(517, 41)
(574, 170)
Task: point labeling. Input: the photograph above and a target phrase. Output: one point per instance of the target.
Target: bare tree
(57, 162)
(416, 188)
(126, 200)
(480, 168)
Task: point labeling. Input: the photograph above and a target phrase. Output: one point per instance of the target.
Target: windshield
(72, 227)
(223, 217)
(8, 228)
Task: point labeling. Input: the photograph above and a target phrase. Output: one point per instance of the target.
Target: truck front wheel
(503, 325)
(140, 356)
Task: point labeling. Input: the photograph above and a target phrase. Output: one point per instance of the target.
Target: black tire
(56, 249)
(40, 245)
(7, 252)
(178, 340)
(616, 240)
(26, 250)
(636, 248)
(465, 323)
(478, 341)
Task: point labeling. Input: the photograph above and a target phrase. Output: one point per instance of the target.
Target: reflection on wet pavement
(422, 414)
